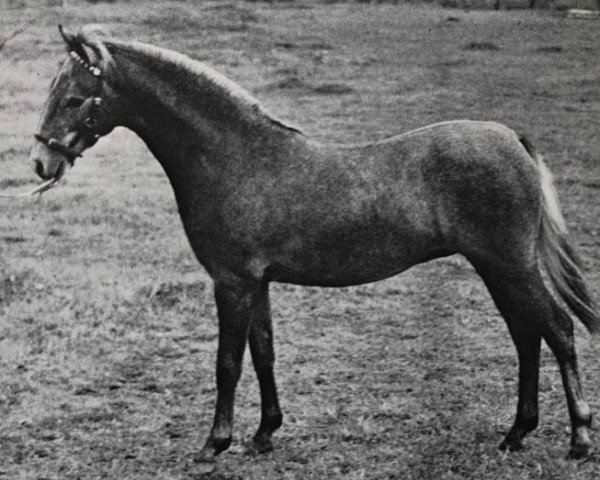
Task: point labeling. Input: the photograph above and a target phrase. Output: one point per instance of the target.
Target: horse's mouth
(60, 171)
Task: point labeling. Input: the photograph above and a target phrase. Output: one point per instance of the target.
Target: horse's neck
(190, 117)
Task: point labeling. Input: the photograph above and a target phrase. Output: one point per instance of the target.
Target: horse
(260, 202)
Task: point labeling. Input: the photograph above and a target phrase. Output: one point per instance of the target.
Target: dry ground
(107, 324)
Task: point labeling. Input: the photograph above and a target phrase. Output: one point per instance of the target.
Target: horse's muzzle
(46, 163)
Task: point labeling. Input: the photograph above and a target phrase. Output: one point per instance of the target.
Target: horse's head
(80, 108)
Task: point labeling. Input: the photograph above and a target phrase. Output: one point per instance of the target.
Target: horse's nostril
(38, 166)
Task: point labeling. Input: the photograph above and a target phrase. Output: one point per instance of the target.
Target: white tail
(557, 256)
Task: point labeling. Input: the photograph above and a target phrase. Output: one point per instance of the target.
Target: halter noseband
(89, 122)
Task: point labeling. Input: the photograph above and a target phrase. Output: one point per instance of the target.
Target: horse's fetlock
(529, 423)
(270, 422)
(584, 413)
(274, 421)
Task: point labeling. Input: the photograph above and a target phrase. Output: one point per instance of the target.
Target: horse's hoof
(260, 445)
(205, 457)
(221, 445)
(511, 445)
(213, 447)
(578, 452)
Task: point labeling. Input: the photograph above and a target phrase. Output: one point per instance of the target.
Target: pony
(261, 202)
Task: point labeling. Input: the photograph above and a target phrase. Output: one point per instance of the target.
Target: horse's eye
(74, 102)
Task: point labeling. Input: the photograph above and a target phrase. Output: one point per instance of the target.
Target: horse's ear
(73, 43)
(69, 38)
(90, 37)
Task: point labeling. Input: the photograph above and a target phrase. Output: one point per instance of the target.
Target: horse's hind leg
(560, 339)
(517, 304)
(527, 342)
(531, 313)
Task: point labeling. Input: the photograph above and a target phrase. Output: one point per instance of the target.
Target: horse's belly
(350, 263)
(331, 278)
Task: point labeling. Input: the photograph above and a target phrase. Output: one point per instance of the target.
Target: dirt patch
(289, 82)
(16, 285)
(550, 49)
(168, 295)
(332, 88)
(481, 47)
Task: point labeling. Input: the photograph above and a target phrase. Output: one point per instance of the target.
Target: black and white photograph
(299, 239)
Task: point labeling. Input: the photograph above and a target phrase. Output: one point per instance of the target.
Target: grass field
(107, 323)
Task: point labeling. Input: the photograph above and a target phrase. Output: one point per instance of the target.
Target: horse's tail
(557, 256)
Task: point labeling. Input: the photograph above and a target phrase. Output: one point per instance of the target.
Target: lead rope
(41, 188)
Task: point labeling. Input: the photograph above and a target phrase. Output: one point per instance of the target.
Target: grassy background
(107, 326)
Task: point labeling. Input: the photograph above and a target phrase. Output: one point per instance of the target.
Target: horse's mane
(195, 73)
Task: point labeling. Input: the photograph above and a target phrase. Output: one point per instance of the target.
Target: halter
(89, 123)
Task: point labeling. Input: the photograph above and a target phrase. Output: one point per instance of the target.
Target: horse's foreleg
(263, 357)
(235, 300)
